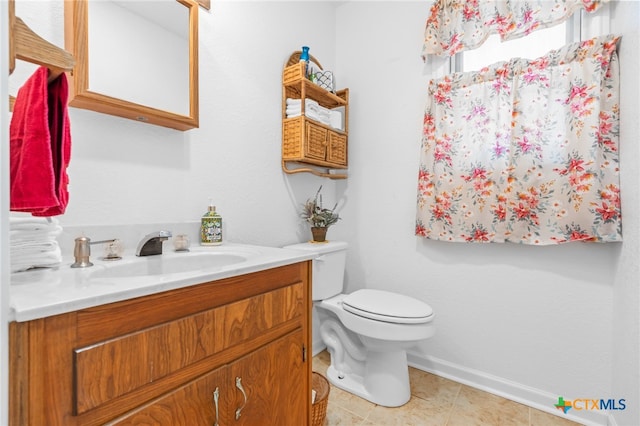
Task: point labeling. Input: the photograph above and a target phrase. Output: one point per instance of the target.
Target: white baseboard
(317, 346)
(518, 392)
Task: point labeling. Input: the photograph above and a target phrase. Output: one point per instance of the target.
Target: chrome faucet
(82, 251)
(151, 244)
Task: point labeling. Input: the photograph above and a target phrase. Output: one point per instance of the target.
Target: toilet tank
(328, 267)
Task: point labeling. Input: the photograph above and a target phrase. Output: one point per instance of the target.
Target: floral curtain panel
(524, 151)
(457, 25)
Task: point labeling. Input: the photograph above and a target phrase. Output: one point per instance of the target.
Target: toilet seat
(386, 306)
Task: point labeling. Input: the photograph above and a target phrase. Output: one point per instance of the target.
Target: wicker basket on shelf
(320, 384)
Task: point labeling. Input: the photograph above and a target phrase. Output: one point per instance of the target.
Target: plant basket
(320, 384)
(319, 234)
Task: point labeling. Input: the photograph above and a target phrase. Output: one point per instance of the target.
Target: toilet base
(385, 381)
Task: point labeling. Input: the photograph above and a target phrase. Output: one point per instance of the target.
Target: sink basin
(162, 265)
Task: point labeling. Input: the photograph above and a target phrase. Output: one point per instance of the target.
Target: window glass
(532, 46)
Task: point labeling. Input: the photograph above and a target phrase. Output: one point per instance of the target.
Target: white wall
(532, 322)
(535, 322)
(626, 290)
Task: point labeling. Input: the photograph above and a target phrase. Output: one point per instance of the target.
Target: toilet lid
(388, 307)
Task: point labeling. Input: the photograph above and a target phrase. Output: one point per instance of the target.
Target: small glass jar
(181, 242)
(113, 250)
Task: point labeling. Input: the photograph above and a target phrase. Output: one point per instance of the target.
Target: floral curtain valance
(524, 151)
(457, 25)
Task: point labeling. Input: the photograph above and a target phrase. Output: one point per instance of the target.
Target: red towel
(40, 146)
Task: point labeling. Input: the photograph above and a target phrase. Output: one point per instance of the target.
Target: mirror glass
(141, 36)
(139, 59)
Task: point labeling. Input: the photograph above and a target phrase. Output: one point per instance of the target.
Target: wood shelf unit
(26, 45)
(309, 145)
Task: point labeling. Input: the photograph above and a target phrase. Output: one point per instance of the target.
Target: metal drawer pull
(239, 386)
(216, 396)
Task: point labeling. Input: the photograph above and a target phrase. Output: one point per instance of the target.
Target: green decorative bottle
(211, 228)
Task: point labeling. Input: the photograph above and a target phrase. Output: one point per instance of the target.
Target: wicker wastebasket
(320, 384)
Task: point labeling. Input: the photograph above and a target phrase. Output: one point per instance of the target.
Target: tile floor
(434, 401)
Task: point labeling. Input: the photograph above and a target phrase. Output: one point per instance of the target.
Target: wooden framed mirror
(135, 59)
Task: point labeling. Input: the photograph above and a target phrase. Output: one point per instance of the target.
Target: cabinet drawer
(110, 369)
(246, 319)
(113, 368)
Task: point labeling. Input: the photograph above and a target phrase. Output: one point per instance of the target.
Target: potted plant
(318, 217)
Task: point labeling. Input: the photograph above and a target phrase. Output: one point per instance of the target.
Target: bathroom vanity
(227, 346)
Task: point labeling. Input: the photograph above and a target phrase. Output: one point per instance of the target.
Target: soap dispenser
(211, 227)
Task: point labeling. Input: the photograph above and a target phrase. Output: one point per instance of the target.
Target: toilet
(366, 332)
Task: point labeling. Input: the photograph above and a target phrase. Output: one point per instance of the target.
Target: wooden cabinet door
(266, 387)
(273, 381)
(315, 142)
(337, 151)
(204, 401)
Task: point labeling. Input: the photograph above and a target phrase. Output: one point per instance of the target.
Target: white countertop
(46, 292)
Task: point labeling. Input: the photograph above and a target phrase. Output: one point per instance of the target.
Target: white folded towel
(34, 247)
(32, 224)
(41, 260)
(42, 255)
(307, 111)
(33, 244)
(21, 234)
(23, 219)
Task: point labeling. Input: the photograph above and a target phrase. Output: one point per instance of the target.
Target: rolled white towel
(313, 106)
(297, 102)
(291, 111)
(312, 110)
(312, 115)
